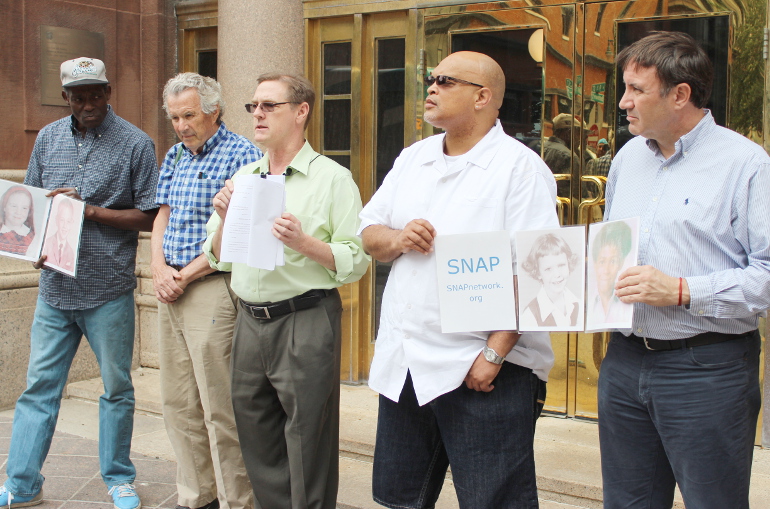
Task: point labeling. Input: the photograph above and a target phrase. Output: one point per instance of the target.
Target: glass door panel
(390, 92)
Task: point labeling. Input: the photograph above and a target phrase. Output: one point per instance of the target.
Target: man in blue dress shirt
(197, 308)
(679, 393)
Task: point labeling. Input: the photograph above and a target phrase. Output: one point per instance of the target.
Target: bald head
(479, 68)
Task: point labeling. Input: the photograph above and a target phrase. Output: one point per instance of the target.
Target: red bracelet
(680, 292)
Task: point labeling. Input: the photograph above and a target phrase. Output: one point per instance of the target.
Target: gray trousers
(286, 398)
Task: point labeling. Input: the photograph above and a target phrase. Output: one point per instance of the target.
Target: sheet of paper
(247, 236)
(475, 282)
(235, 237)
(266, 251)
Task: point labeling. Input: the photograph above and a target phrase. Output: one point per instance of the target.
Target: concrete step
(566, 450)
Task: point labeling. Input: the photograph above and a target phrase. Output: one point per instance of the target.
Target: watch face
(491, 356)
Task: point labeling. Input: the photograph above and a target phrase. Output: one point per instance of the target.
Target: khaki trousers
(195, 337)
(286, 394)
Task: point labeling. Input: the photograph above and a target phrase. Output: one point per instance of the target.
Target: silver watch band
(492, 356)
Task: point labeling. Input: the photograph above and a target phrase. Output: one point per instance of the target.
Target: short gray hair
(209, 91)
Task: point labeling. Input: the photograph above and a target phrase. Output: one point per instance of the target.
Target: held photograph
(612, 248)
(23, 212)
(62, 241)
(550, 268)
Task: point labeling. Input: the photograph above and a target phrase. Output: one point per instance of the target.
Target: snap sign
(475, 282)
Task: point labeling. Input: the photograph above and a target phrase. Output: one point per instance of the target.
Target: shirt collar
(545, 304)
(211, 142)
(480, 155)
(300, 162)
(109, 119)
(691, 139)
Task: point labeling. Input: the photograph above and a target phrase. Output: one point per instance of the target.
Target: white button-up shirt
(502, 185)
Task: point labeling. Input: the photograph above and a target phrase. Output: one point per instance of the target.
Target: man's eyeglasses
(266, 106)
(442, 80)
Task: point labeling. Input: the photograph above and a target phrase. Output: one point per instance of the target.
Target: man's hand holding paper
(252, 207)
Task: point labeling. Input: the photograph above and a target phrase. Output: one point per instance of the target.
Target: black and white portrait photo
(550, 268)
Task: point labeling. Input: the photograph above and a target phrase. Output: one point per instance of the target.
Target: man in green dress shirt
(286, 346)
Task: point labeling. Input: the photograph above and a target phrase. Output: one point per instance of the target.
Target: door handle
(563, 203)
(597, 201)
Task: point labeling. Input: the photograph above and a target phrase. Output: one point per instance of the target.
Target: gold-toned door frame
(362, 31)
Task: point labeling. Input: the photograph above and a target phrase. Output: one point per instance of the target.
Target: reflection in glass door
(535, 48)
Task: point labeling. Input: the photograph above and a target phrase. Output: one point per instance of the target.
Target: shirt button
(406, 335)
(408, 306)
(639, 330)
(654, 198)
(646, 230)
(80, 166)
(414, 272)
(665, 168)
(80, 144)
(700, 312)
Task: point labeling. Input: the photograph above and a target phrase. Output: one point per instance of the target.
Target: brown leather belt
(270, 310)
(706, 338)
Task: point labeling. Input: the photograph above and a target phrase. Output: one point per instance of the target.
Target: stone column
(253, 38)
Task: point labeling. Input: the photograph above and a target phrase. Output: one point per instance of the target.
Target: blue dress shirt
(188, 186)
(705, 216)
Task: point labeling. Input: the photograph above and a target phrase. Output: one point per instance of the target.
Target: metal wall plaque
(58, 44)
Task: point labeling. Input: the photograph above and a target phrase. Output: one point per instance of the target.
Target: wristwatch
(491, 356)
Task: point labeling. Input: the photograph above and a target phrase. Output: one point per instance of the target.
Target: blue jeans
(55, 337)
(486, 437)
(684, 416)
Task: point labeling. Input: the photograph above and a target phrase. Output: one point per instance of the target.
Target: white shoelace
(124, 490)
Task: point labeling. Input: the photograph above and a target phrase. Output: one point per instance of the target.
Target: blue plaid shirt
(188, 186)
(114, 167)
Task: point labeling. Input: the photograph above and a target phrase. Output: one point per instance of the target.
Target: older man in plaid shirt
(197, 309)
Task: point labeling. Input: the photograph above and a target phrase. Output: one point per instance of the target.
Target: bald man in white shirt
(469, 399)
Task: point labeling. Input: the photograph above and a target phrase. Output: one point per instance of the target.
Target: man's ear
(483, 97)
(64, 96)
(107, 92)
(302, 112)
(682, 93)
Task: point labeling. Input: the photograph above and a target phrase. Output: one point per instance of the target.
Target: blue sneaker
(124, 497)
(9, 500)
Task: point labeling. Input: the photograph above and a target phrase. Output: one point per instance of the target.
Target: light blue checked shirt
(114, 167)
(705, 216)
(189, 185)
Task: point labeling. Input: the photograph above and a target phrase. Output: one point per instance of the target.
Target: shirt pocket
(193, 193)
(471, 213)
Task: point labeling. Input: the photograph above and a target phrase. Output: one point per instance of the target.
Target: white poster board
(475, 281)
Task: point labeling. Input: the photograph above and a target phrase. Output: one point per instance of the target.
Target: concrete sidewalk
(566, 453)
(71, 471)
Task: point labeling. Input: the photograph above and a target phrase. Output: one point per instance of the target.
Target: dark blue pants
(486, 437)
(684, 417)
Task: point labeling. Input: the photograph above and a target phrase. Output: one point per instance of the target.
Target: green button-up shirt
(324, 197)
